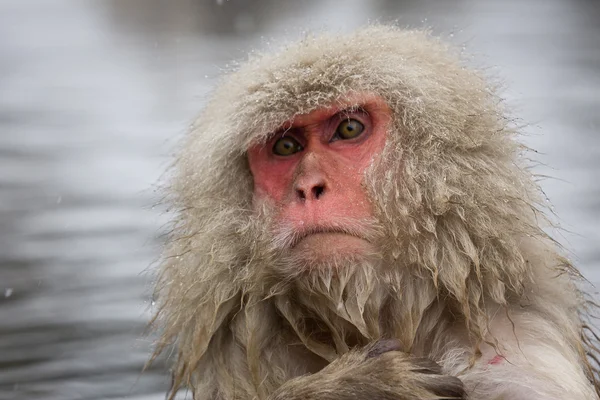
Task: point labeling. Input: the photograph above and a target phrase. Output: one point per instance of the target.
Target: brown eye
(286, 146)
(349, 129)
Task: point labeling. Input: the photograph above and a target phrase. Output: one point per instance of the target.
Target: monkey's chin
(328, 247)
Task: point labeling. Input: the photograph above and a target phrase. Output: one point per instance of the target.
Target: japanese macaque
(355, 221)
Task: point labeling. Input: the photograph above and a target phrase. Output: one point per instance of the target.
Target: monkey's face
(311, 172)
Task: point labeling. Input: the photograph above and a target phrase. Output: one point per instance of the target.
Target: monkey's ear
(383, 346)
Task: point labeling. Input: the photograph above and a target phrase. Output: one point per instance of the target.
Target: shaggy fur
(464, 272)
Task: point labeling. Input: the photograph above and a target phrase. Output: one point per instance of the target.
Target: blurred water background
(95, 93)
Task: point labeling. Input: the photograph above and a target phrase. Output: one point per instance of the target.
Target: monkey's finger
(383, 346)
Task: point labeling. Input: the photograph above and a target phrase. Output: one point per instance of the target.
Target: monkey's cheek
(325, 247)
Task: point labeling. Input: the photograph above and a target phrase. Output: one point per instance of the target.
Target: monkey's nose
(310, 189)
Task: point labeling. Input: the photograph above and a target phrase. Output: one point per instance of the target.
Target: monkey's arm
(376, 372)
(533, 361)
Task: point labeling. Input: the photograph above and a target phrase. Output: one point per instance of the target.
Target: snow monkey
(355, 220)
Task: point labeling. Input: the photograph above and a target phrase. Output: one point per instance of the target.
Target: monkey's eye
(349, 129)
(286, 146)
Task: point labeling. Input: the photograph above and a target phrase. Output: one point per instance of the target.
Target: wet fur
(458, 221)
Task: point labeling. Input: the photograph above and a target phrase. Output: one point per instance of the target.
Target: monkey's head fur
(457, 216)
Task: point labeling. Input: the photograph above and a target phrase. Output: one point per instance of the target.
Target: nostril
(318, 191)
(301, 194)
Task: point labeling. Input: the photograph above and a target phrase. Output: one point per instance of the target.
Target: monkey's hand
(377, 372)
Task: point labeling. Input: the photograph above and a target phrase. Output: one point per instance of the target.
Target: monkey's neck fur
(312, 315)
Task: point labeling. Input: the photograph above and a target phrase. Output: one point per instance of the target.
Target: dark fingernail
(383, 346)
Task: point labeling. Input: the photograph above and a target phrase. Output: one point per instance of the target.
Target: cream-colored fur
(464, 273)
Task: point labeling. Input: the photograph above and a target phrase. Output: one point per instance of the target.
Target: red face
(313, 168)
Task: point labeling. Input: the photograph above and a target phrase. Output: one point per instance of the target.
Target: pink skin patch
(496, 360)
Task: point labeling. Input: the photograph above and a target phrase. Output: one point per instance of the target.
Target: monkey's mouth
(303, 234)
(290, 235)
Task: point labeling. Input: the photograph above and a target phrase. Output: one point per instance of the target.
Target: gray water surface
(95, 94)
